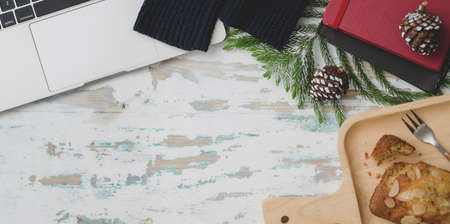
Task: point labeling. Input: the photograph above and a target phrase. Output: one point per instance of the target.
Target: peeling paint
(32, 179)
(198, 184)
(74, 180)
(146, 221)
(124, 146)
(158, 75)
(85, 220)
(243, 172)
(106, 189)
(277, 106)
(51, 150)
(93, 181)
(59, 213)
(179, 164)
(246, 78)
(101, 99)
(132, 180)
(324, 167)
(240, 215)
(223, 138)
(78, 155)
(250, 134)
(309, 123)
(183, 141)
(224, 195)
(210, 105)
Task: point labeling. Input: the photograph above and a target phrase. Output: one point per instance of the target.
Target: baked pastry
(413, 194)
(389, 146)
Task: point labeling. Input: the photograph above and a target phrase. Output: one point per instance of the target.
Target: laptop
(51, 46)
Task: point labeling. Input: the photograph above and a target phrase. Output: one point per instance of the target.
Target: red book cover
(377, 22)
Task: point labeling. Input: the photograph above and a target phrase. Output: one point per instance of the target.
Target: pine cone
(420, 30)
(329, 83)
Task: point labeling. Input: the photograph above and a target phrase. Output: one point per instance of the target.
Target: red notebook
(376, 22)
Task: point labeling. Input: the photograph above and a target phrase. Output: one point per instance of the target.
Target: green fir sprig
(294, 67)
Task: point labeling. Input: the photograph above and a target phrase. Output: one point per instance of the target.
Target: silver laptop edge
(64, 50)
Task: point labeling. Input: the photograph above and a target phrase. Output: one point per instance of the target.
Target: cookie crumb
(365, 164)
(378, 176)
(366, 155)
(420, 154)
(379, 163)
(370, 173)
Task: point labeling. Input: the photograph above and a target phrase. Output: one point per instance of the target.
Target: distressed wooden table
(197, 139)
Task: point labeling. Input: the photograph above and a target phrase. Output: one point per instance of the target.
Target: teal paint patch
(123, 146)
(105, 189)
(223, 138)
(250, 134)
(243, 172)
(174, 172)
(84, 220)
(132, 180)
(16, 126)
(208, 152)
(198, 184)
(310, 123)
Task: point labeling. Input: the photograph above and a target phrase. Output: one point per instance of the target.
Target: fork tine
(409, 126)
(412, 121)
(417, 117)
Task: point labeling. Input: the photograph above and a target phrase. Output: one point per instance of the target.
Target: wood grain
(198, 139)
(357, 137)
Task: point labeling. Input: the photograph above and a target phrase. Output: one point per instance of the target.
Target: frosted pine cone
(329, 83)
(420, 30)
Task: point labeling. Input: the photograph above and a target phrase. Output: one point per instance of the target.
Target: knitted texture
(186, 24)
(271, 21)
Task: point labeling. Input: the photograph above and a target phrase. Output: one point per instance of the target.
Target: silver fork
(424, 133)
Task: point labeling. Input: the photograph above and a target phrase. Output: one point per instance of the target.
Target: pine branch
(243, 42)
(311, 12)
(366, 88)
(339, 112)
(352, 77)
(405, 95)
(446, 83)
(294, 66)
(326, 55)
(233, 32)
(374, 94)
(317, 112)
(303, 72)
(318, 3)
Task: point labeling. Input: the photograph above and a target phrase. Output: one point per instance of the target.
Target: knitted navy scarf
(188, 24)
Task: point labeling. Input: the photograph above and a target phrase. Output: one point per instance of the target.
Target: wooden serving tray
(357, 136)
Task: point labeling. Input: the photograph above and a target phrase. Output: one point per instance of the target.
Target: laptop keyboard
(19, 11)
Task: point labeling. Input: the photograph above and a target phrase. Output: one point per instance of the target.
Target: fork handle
(443, 151)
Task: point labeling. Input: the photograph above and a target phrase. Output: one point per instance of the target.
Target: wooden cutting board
(357, 136)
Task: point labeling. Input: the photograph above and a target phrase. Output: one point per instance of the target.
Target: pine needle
(326, 55)
(405, 95)
(318, 3)
(294, 66)
(312, 12)
(339, 112)
(317, 112)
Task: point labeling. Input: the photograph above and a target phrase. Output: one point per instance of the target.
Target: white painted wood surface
(198, 139)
